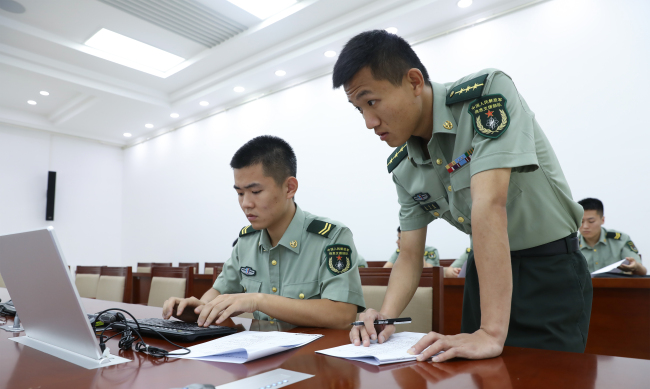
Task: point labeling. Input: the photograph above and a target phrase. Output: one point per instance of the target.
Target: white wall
(581, 65)
(88, 202)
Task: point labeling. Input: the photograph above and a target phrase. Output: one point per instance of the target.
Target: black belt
(565, 245)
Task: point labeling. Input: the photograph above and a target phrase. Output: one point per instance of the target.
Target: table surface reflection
(23, 367)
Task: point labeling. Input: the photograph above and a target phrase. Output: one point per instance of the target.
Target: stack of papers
(392, 351)
(613, 268)
(247, 346)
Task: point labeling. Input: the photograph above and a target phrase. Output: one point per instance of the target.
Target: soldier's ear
(416, 81)
(291, 186)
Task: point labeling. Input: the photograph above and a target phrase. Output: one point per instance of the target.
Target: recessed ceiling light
(263, 8)
(392, 30)
(204, 103)
(330, 53)
(45, 93)
(127, 134)
(31, 102)
(464, 3)
(239, 89)
(149, 125)
(280, 73)
(130, 52)
(173, 115)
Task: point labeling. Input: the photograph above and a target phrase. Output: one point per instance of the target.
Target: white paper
(612, 268)
(247, 346)
(392, 351)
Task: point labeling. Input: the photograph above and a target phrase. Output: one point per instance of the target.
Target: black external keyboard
(176, 329)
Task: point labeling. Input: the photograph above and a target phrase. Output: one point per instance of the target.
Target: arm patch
(247, 230)
(321, 228)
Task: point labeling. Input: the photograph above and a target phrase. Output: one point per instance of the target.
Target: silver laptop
(46, 300)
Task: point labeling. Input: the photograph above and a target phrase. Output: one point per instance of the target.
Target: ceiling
(42, 49)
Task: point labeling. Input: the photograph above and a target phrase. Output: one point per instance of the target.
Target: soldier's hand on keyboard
(176, 307)
(227, 305)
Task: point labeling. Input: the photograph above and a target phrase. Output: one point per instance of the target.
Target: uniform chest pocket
(302, 291)
(250, 286)
(461, 179)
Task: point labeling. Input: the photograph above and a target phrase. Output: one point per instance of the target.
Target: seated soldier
(430, 259)
(288, 264)
(459, 262)
(602, 247)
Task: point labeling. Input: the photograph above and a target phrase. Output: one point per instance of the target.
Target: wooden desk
(23, 367)
(620, 315)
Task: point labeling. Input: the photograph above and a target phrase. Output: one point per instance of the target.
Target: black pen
(399, 320)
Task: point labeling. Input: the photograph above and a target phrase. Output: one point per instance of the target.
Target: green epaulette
(321, 228)
(613, 235)
(247, 231)
(396, 157)
(468, 90)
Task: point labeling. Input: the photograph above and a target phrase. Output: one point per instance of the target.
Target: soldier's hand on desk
(227, 305)
(452, 272)
(632, 267)
(175, 306)
(479, 345)
(369, 330)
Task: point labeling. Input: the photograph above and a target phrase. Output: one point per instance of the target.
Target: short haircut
(276, 156)
(590, 204)
(389, 57)
(399, 230)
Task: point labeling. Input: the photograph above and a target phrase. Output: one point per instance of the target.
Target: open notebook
(392, 351)
(247, 346)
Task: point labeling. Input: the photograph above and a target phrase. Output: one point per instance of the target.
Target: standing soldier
(471, 152)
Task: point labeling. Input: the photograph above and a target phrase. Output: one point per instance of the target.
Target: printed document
(247, 346)
(392, 351)
(613, 268)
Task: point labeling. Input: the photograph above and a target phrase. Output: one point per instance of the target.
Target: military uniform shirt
(540, 208)
(462, 259)
(611, 247)
(297, 267)
(430, 256)
(361, 261)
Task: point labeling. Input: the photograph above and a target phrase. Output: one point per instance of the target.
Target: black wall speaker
(51, 189)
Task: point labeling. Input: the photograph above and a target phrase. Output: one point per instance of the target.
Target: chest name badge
(338, 258)
(421, 197)
(432, 206)
(460, 161)
(248, 271)
(490, 115)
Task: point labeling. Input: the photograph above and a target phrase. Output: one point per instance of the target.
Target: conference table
(24, 367)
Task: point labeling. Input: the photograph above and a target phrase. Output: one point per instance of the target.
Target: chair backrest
(216, 270)
(376, 264)
(426, 308)
(195, 265)
(446, 262)
(209, 267)
(115, 284)
(169, 282)
(143, 267)
(86, 280)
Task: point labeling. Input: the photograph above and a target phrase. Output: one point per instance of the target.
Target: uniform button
(461, 219)
(595, 250)
(302, 296)
(274, 262)
(449, 188)
(244, 288)
(439, 161)
(436, 214)
(271, 322)
(274, 289)
(448, 125)
(596, 263)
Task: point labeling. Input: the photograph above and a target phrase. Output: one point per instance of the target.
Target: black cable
(127, 339)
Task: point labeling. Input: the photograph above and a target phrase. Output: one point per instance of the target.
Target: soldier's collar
(603, 239)
(291, 237)
(443, 123)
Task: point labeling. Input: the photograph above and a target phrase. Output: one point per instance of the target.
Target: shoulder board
(397, 251)
(247, 231)
(613, 235)
(321, 228)
(396, 157)
(468, 90)
(469, 250)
